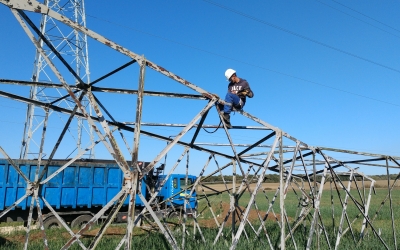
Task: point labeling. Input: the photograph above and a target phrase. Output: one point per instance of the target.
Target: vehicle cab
(175, 190)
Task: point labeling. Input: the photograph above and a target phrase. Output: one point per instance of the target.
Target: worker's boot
(227, 120)
(221, 106)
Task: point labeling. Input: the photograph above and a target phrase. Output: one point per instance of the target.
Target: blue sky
(326, 72)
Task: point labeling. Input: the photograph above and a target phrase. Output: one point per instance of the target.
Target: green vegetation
(155, 240)
(274, 178)
(269, 178)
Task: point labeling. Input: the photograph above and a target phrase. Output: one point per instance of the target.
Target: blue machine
(84, 187)
(175, 188)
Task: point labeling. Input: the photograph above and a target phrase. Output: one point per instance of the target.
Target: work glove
(246, 92)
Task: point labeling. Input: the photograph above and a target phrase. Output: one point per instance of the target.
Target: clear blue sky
(326, 72)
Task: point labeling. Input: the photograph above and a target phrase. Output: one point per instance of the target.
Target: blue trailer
(83, 188)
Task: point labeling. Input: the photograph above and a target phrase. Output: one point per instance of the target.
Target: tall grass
(156, 240)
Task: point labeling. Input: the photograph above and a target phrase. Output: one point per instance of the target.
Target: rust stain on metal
(208, 95)
(149, 64)
(131, 177)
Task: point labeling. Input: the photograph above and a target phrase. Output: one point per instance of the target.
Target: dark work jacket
(235, 88)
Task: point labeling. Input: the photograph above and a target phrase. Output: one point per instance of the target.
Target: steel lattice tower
(320, 201)
(73, 47)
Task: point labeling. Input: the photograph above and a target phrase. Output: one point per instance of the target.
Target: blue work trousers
(234, 100)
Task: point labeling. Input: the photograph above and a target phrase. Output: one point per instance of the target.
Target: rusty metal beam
(148, 93)
(112, 118)
(35, 6)
(255, 173)
(135, 185)
(203, 126)
(118, 124)
(99, 79)
(102, 89)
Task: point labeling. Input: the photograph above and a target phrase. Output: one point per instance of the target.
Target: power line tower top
(73, 47)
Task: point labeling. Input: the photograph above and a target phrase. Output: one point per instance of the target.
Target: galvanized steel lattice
(303, 170)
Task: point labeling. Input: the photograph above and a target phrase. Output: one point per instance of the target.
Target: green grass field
(155, 240)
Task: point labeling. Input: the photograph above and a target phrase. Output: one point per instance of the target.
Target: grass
(382, 223)
(155, 240)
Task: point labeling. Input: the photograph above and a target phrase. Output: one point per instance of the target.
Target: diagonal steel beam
(28, 193)
(60, 138)
(112, 118)
(63, 223)
(50, 45)
(362, 210)
(199, 126)
(94, 219)
(113, 149)
(167, 235)
(72, 160)
(97, 80)
(179, 136)
(253, 195)
(113, 72)
(108, 221)
(258, 143)
(15, 166)
(317, 203)
(344, 214)
(35, 6)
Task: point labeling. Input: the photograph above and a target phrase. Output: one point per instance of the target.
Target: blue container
(83, 184)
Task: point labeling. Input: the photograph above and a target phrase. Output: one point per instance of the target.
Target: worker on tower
(238, 90)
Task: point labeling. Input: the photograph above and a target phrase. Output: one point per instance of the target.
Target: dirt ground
(253, 216)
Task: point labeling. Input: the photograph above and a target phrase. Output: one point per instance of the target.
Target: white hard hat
(229, 73)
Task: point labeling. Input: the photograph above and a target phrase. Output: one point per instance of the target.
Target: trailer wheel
(175, 215)
(52, 222)
(81, 220)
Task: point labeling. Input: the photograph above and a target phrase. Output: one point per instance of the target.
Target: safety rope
(215, 129)
(219, 126)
